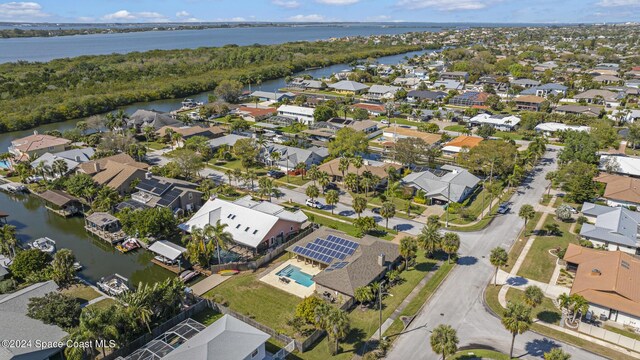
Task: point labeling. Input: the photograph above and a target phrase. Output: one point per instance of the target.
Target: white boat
(77, 266)
(44, 244)
(114, 285)
(187, 275)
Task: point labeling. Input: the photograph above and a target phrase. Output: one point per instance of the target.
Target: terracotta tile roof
(620, 187)
(369, 107)
(115, 174)
(465, 141)
(38, 141)
(606, 278)
(404, 132)
(530, 99)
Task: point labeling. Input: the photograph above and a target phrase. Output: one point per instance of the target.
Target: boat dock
(176, 269)
(13, 187)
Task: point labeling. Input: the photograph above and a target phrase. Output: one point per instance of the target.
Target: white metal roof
(296, 110)
(554, 126)
(167, 249)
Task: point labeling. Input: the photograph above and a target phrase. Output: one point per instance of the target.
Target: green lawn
(516, 248)
(473, 354)
(102, 304)
(246, 294)
(344, 227)
(546, 311)
(508, 135)
(207, 316)
(399, 121)
(236, 164)
(623, 332)
(546, 199)
(81, 292)
(474, 205)
(456, 128)
(539, 264)
(401, 204)
(294, 180)
(154, 145)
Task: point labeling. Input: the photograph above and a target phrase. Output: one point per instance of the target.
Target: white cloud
(446, 5)
(182, 14)
(338, 2)
(85, 19)
(21, 11)
(307, 18)
(289, 4)
(614, 3)
(125, 15)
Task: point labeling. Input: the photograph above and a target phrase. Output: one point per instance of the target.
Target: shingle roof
(615, 225)
(347, 85)
(621, 188)
(58, 197)
(38, 141)
(450, 182)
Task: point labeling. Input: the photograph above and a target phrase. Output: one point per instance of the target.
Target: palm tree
(556, 354)
(444, 340)
(229, 174)
(106, 199)
(265, 186)
(8, 240)
(564, 300)
(451, 244)
(343, 166)
(368, 181)
(197, 250)
(323, 180)
(275, 157)
(408, 249)
(359, 204)
(517, 320)
(251, 176)
(388, 210)
(217, 235)
(580, 305)
(337, 326)
(301, 167)
(358, 163)
(59, 167)
(533, 296)
(430, 238)
(136, 306)
(175, 139)
(351, 181)
(363, 294)
(332, 197)
(527, 212)
(313, 173)
(312, 192)
(498, 257)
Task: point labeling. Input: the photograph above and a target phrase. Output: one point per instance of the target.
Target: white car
(384, 122)
(314, 204)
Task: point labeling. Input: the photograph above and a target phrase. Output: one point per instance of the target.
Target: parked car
(275, 174)
(314, 204)
(331, 186)
(376, 210)
(384, 122)
(503, 208)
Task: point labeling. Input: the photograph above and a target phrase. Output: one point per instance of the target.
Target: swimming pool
(4, 164)
(293, 272)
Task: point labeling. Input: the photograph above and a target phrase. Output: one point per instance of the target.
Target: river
(32, 220)
(48, 48)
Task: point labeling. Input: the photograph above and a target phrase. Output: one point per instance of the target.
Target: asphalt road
(458, 302)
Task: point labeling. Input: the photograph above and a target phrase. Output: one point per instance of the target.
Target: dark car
(331, 186)
(503, 208)
(275, 174)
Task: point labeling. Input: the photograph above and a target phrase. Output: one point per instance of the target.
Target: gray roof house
(419, 95)
(272, 96)
(228, 140)
(614, 228)
(447, 183)
(349, 86)
(382, 92)
(15, 324)
(290, 156)
(72, 158)
(525, 83)
(544, 90)
(143, 118)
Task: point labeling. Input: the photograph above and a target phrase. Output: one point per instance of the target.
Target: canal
(99, 259)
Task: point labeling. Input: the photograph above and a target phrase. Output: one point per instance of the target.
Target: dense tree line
(62, 89)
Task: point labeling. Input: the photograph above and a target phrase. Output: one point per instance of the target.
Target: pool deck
(292, 287)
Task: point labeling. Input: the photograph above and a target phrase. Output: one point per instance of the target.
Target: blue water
(294, 273)
(4, 164)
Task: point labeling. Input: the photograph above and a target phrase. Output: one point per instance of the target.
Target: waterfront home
(372, 109)
(72, 158)
(620, 164)
(15, 324)
(611, 228)
(298, 113)
(227, 140)
(151, 118)
(461, 76)
(529, 102)
(545, 89)
(256, 225)
(377, 168)
(209, 132)
(620, 190)
(105, 226)
(447, 184)
(377, 92)
(552, 128)
(498, 122)
(407, 82)
(425, 95)
(117, 172)
(608, 280)
(348, 87)
(61, 203)
(470, 98)
(255, 114)
(460, 144)
(154, 191)
(291, 156)
(306, 84)
(578, 110)
(33, 146)
(347, 263)
(272, 96)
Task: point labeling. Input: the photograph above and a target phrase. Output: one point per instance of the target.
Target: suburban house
(460, 144)
(33, 146)
(210, 132)
(448, 183)
(545, 89)
(425, 95)
(117, 172)
(498, 122)
(376, 168)
(227, 338)
(462, 76)
(291, 156)
(611, 228)
(305, 84)
(15, 324)
(620, 190)
(393, 133)
(155, 191)
(407, 82)
(448, 85)
(347, 262)
(620, 164)
(598, 96)
(326, 130)
(382, 92)
(348, 87)
(578, 110)
(525, 83)
(256, 225)
(226, 140)
(552, 128)
(255, 114)
(151, 118)
(272, 96)
(372, 109)
(470, 98)
(608, 281)
(299, 113)
(529, 102)
(72, 158)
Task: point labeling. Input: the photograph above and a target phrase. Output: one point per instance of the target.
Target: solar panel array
(337, 265)
(153, 186)
(326, 250)
(168, 198)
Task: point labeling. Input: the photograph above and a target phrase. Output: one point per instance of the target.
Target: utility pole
(448, 203)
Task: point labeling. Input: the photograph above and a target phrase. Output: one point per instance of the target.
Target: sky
(496, 11)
